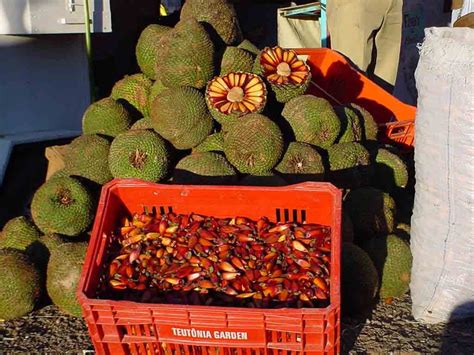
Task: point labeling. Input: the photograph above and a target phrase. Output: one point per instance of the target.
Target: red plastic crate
(335, 79)
(122, 327)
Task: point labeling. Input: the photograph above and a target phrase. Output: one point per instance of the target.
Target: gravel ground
(391, 328)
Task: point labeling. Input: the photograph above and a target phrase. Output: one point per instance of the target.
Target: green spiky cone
(301, 162)
(60, 173)
(64, 206)
(64, 270)
(147, 47)
(180, 115)
(351, 127)
(393, 259)
(359, 280)
(390, 171)
(142, 123)
(220, 15)
(135, 89)
(106, 117)
(249, 47)
(19, 233)
(347, 228)
(267, 178)
(20, 284)
(282, 93)
(204, 168)
(313, 120)
(87, 157)
(370, 127)
(213, 143)
(372, 212)
(186, 56)
(254, 145)
(236, 60)
(349, 164)
(140, 154)
(156, 89)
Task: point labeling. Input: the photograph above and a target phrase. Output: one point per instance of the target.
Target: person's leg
(353, 25)
(388, 42)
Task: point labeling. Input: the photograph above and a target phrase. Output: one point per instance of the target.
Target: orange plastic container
(123, 327)
(335, 79)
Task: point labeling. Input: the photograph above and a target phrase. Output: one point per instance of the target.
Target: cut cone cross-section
(282, 67)
(236, 94)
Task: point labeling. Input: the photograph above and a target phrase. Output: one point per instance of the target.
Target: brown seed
(118, 285)
(173, 280)
(125, 230)
(320, 283)
(162, 227)
(298, 246)
(237, 263)
(229, 275)
(194, 276)
(320, 294)
(245, 295)
(205, 242)
(225, 266)
(229, 229)
(283, 295)
(192, 241)
(279, 228)
(205, 234)
(303, 263)
(206, 284)
(166, 241)
(113, 268)
(230, 291)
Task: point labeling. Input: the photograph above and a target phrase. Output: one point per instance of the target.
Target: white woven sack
(442, 234)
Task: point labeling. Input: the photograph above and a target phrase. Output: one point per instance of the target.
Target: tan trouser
(356, 26)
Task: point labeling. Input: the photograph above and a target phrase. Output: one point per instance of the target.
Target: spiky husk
(372, 212)
(87, 157)
(180, 115)
(393, 259)
(249, 47)
(135, 89)
(147, 47)
(142, 123)
(349, 164)
(313, 120)
(186, 56)
(19, 233)
(20, 284)
(351, 126)
(390, 171)
(204, 168)
(254, 145)
(301, 162)
(140, 154)
(236, 60)
(64, 206)
(220, 15)
(64, 270)
(156, 89)
(370, 127)
(359, 280)
(213, 143)
(106, 117)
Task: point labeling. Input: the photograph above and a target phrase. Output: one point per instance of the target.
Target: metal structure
(45, 81)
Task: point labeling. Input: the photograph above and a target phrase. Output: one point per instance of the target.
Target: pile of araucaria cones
(193, 259)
